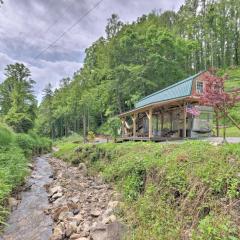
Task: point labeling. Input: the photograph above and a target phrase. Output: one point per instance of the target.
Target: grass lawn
(231, 132)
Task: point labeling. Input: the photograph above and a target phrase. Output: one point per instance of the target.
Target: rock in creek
(12, 202)
(113, 231)
(95, 213)
(55, 189)
(30, 166)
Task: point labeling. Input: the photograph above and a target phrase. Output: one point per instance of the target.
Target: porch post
(123, 127)
(162, 120)
(134, 118)
(184, 121)
(149, 115)
(171, 119)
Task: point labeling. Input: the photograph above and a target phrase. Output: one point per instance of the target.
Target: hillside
(137, 58)
(169, 191)
(232, 82)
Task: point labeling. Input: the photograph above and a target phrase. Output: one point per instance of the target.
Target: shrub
(215, 227)
(13, 169)
(91, 136)
(6, 136)
(114, 124)
(25, 142)
(32, 144)
(20, 122)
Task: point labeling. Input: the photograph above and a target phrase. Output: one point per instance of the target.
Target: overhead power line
(69, 29)
(55, 22)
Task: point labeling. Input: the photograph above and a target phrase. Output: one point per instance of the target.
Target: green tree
(45, 120)
(113, 26)
(136, 59)
(17, 101)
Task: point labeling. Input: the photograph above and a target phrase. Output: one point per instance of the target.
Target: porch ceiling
(167, 103)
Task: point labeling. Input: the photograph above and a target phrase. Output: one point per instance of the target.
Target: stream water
(28, 221)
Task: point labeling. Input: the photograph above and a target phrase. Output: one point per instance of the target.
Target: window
(199, 87)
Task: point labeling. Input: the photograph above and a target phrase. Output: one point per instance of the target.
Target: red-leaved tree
(215, 96)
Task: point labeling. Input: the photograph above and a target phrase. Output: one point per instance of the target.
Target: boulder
(95, 213)
(84, 230)
(71, 227)
(65, 215)
(75, 236)
(75, 199)
(58, 211)
(82, 167)
(55, 190)
(58, 233)
(30, 166)
(113, 204)
(59, 202)
(99, 232)
(12, 202)
(110, 219)
(57, 195)
(76, 211)
(113, 231)
(72, 205)
(27, 186)
(77, 218)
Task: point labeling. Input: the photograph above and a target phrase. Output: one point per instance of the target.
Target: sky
(27, 27)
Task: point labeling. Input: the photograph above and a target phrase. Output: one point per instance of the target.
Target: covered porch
(158, 122)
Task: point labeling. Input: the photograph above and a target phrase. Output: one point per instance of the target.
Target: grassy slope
(171, 191)
(233, 82)
(233, 78)
(13, 167)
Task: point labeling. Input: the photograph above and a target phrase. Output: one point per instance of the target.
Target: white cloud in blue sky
(28, 26)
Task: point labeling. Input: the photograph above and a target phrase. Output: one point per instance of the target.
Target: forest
(136, 59)
(131, 61)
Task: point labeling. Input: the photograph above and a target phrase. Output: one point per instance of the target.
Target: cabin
(172, 113)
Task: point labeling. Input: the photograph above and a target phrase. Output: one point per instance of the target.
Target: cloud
(55, 70)
(43, 72)
(27, 27)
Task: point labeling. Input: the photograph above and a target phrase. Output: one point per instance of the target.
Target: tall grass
(15, 152)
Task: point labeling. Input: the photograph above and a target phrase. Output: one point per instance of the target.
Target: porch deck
(146, 139)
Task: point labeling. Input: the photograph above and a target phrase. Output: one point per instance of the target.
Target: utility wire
(70, 28)
(55, 22)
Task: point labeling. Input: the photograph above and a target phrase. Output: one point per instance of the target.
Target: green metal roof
(177, 90)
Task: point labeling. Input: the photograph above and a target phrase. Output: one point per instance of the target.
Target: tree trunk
(224, 128)
(217, 122)
(101, 115)
(88, 120)
(84, 127)
(232, 120)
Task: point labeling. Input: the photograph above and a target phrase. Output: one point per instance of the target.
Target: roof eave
(158, 104)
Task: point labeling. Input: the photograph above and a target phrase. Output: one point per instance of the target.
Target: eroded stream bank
(63, 202)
